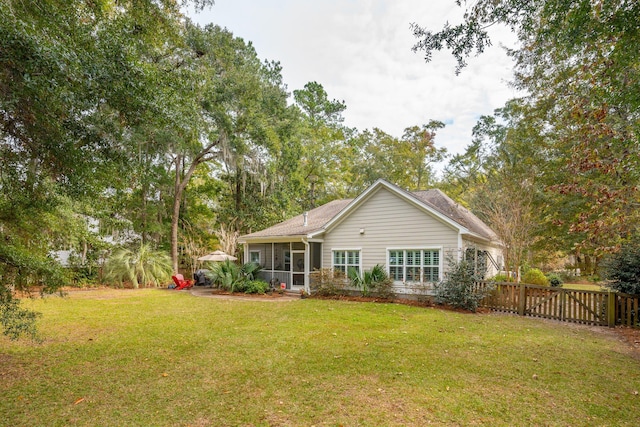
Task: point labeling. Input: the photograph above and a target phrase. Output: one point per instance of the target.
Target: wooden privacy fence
(568, 305)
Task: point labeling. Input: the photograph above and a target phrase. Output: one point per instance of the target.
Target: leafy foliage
(15, 320)
(225, 275)
(143, 266)
(554, 280)
(533, 276)
(579, 66)
(253, 287)
(375, 281)
(229, 276)
(457, 288)
(622, 269)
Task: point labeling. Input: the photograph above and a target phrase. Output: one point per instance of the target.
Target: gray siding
(388, 222)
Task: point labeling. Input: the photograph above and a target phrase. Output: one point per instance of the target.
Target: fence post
(611, 309)
(522, 300)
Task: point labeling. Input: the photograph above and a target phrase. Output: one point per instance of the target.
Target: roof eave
(483, 239)
(274, 239)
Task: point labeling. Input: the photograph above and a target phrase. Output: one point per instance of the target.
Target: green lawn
(165, 358)
(584, 286)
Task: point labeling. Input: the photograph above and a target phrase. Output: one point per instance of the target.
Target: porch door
(297, 269)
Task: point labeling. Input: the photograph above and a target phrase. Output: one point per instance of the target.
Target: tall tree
(77, 80)
(578, 62)
(323, 138)
(406, 161)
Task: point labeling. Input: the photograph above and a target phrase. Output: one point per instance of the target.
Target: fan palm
(144, 266)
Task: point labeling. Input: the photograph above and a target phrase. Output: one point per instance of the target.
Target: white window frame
(255, 251)
(346, 257)
(422, 266)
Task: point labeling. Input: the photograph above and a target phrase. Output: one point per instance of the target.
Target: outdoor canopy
(217, 256)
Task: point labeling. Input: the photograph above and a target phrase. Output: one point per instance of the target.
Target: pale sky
(360, 51)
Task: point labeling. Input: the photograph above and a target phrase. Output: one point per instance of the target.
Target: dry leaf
(78, 401)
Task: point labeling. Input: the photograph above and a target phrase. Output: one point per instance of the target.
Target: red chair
(181, 283)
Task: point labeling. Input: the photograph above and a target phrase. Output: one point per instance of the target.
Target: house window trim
(259, 252)
(359, 250)
(440, 249)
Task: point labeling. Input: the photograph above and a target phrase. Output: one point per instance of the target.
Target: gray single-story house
(410, 233)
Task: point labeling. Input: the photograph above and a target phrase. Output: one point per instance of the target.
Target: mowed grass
(166, 358)
(585, 287)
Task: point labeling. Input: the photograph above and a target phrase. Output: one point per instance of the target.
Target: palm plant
(369, 279)
(250, 270)
(144, 266)
(225, 275)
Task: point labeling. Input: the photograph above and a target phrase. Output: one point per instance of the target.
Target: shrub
(554, 280)
(250, 270)
(500, 278)
(226, 275)
(327, 282)
(374, 281)
(458, 287)
(535, 277)
(254, 287)
(622, 269)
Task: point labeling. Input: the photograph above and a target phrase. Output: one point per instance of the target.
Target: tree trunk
(179, 186)
(175, 214)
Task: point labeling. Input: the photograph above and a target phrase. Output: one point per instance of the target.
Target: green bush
(501, 278)
(374, 281)
(254, 287)
(554, 280)
(535, 277)
(226, 275)
(458, 288)
(622, 269)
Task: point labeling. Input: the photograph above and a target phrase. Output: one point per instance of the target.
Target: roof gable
(402, 194)
(323, 218)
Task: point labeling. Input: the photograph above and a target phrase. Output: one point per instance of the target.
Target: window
(254, 257)
(414, 265)
(346, 260)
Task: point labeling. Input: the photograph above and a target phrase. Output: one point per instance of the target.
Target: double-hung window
(414, 265)
(345, 260)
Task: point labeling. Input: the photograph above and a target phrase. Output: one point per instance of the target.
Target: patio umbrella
(217, 256)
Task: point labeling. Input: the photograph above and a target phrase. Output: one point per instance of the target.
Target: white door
(297, 269)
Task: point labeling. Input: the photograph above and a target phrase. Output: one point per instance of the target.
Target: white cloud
(360, 51)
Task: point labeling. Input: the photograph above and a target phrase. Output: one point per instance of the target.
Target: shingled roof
(319, 217)
(316, 219)
(454, 211)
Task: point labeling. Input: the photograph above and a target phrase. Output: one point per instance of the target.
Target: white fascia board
(480, 239)
(274, 239)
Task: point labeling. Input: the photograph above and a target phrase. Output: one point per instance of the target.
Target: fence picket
(569, 305)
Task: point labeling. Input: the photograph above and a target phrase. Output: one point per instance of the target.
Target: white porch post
(307, 259)
(273, 259)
